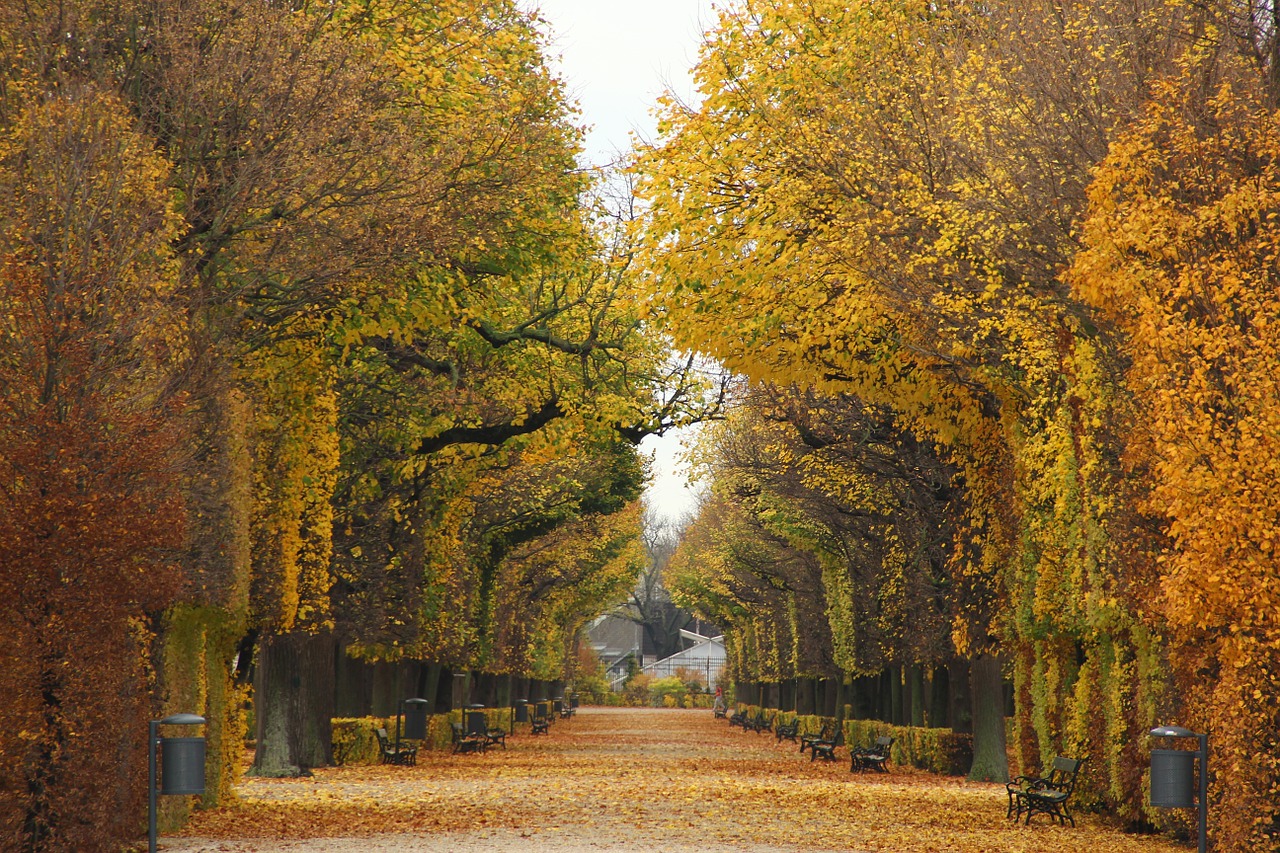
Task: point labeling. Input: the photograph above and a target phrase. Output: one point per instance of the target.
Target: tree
(90, 514)
(1180, 249)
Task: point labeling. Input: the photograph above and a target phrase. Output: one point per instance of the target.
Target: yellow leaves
(720, 789)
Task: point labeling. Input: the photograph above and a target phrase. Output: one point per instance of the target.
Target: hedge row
(936, 750)
(355, 740)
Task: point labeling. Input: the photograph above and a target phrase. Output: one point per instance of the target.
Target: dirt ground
(612, 780)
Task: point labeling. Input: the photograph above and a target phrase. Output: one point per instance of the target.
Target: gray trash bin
(1173, 778)
(182, 765)
(415, 719)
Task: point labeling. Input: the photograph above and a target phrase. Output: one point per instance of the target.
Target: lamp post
(183, 766)
(1172, 777)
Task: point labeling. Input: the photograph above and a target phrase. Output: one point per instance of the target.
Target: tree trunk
(939, 694)
(960, 709)
(897, 715)
(428, 678)
(805, 701)
(990, 761)
(915, 693)
(293, 702)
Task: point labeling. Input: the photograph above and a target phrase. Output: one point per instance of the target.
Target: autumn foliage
(310, 341)
(1038, 239)
(89, 513)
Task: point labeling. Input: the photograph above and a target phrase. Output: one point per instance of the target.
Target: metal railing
(707, 667)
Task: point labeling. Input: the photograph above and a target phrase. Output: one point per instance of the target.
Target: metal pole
(153, 735)
(399, 708)
(1203, 805)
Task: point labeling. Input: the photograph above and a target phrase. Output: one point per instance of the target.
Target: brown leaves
(649, 779)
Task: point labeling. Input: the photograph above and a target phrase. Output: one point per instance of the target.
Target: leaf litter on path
(615, 779)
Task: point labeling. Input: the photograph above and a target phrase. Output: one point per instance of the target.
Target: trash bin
(415, 719)
(1173, 778)
(522, 711)
(182, 765)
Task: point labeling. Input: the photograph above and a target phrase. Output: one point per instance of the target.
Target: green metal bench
(403, 754)
(874, 757)
(1045, 795)
(827, 733)
(789, 731)
(464, 741)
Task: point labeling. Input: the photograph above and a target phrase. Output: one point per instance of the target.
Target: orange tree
(389, 298)
(90, 510)
(1180, 255)
(882, 200)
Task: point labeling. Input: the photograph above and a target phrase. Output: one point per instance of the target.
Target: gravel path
(612, 780)
(615, 780)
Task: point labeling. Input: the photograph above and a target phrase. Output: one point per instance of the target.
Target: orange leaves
(646, 779)
(1180, 255)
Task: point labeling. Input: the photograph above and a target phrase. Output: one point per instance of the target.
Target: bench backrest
(883, 743)
(1064, 773)
(384, 742)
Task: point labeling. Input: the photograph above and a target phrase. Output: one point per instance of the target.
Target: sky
(616, 57)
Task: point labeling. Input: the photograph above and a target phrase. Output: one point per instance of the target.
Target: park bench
(739, 718)
(826, 747)
(541, 720)
(478, 727)
(874, 757)
(760, 722)
(465, 741)
(787, 730)
(827, 733)
(719, 713)
(404, 754)
(1045, 795)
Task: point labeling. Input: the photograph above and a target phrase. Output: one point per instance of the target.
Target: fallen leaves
(651, 777)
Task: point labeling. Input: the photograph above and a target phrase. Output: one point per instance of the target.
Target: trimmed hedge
(936, 750)
(355, 740)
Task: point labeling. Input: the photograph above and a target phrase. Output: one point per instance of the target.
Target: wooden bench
(787, 730)
(874, 757)
(1045, 794)
(404, 755)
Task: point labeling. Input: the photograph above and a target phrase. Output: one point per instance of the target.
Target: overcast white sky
(616, 57)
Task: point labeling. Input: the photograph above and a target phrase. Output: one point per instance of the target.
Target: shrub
(593, 688)
(669, 688)
(936, 750)
(695, 680)
(355, 740)
(636, 691)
